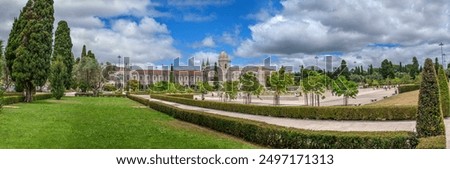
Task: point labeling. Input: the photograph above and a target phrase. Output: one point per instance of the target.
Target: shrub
(305, 112)
(112, 95)
(408, 88)
(13, 94)
(430, 120)
(436, 142)
(444, 93)
(186, 96)
(281, 137)
(109, 87)
(84, 94)
(16, 99)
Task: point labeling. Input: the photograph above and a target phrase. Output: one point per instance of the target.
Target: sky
(291, 32)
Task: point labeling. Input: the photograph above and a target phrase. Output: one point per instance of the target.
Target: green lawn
(76, 122)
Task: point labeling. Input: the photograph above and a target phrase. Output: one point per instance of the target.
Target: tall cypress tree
(57, 77)
(31, 66)
(444, 92)
(83, 52)
(15, 39)
(430, 120)
(63, 49)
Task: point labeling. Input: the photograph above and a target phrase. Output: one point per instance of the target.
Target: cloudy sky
(292, 32)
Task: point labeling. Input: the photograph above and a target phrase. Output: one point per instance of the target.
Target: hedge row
(16, 99)
(186, 96)
(79, 94)
(306, 112)
(436, 142)
(281, 137)
(408, 88)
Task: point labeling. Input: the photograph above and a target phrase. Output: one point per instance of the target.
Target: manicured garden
(85, 122)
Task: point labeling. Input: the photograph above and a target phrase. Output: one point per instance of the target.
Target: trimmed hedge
(306, 112)
(408, 88)
(16, 99)
(186, 96)
(80, 94)
(436, 142)
(12, 94)
(281, 137)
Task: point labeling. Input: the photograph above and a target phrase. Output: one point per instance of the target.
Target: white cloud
(207, 42)
(197, 3)
(144, 40)
(204, 56)
(191, 17)
(306, 28)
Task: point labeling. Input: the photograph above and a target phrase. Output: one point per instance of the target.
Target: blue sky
(292, 32)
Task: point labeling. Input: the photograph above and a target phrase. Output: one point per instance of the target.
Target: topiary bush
(430, 120)
(305, 112)
(444, 92)
(282, 137)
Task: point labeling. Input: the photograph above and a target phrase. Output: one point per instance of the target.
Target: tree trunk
(203, 96)
(318, 100)
(306, 99)
(277, 99)
(28, 94)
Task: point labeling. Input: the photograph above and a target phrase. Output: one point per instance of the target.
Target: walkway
(332, 125)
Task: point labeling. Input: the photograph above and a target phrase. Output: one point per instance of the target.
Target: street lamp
(121, 83)
(317, 61)
(442, 53)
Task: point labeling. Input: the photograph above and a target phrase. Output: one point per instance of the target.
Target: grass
(102, 123)
(408, 98)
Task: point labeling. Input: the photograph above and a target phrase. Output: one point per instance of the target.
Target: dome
(223, 56)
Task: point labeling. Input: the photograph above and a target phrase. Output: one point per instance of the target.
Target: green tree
(429, 114)
(31, 65)
(231, 89)
(216, 82)
(414, 69)
(83, 52)
(444, 92)
(387, 69)
(57, 77)
(250, 86)
(133, 85)
(315, 85)
(203, 88)
(343, 87)
(88, 75)
(279, 82)
(2, 73)
(63, 48)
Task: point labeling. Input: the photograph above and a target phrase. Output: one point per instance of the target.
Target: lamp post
(442, 54)
(317, 61)
(119, 71)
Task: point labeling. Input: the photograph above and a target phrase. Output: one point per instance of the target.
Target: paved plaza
(365, 96)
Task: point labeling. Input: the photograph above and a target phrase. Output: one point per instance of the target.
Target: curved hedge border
(305, 112)
(16, 99)
(408, 88)
(281, 137)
